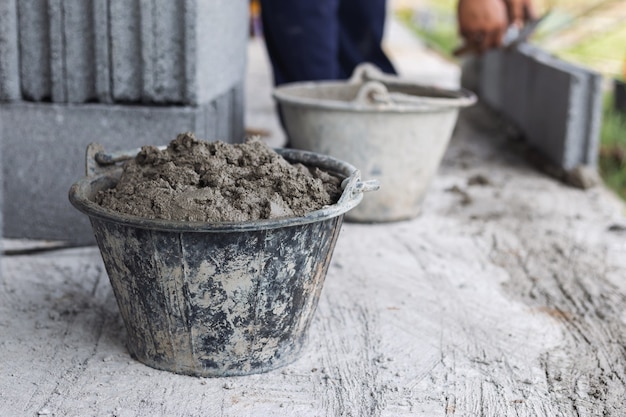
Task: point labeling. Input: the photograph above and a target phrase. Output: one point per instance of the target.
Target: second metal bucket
(217, 299)
(392, 130)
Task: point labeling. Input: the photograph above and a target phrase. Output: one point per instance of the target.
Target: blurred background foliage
(591, 33)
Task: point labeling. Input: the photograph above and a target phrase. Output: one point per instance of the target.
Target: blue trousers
(309, 40)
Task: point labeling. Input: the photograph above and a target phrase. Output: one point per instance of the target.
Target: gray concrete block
(44, 148)
(594, 113)
(66, 50)
(148, 40)
(557, 105)
(57, 51)
(517, 90)
(185, 52)
(9, 53)
(79, 55)
(224, 119)
(220, 39)
(163, 59)
(491, 78)
(223, 125)
(141, 51)
(470, 72)
(585, 108)
(34, 46)
(125, 50)
(547, 124)
(101, 51)
(568, 100)
(1, 196)
(238, 110)
(191, 49)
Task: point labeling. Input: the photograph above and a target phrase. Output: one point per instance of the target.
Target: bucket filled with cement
(211, 277)
(391, 129)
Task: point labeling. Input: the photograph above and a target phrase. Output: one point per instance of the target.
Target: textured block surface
(557, 105)
(44, 144)
(9, 53)
(184, 52)
(217, 64)
(79, 57)
(1, 196)
(34, 41)
(125, 50)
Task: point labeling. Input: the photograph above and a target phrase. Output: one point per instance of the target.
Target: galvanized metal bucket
(216, 299)
(391, 129)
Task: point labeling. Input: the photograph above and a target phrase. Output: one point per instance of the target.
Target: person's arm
(483, 23)
(519, 11)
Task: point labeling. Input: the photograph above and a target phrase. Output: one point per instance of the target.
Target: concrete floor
(506, 296)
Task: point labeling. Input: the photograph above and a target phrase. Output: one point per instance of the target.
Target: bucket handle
(372, 92)
(377, 93)
(355, 186)
(365, 72)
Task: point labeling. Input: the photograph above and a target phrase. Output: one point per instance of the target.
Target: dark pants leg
(301, 37)
(361, 26)
(323, 39)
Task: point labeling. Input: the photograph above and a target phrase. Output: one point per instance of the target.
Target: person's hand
(482, 23)
(519, 11)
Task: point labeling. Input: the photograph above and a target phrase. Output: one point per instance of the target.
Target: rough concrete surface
(504, 298)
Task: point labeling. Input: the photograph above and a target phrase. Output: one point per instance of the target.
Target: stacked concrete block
(9, 77)
(557, 105)
(1, 201)
(9, 54)
(120, 72)
(619, 95)
(139, 51)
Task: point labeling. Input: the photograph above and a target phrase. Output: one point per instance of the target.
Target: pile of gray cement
(194, 180)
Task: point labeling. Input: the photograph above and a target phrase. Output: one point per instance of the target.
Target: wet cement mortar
(195, 180)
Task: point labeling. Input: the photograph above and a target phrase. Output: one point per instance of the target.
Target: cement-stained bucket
(216, 299)
(391, 129)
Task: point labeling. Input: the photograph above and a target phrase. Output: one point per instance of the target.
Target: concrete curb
(557, 105)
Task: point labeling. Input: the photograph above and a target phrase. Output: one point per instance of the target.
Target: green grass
(606, 52)
(443, 38)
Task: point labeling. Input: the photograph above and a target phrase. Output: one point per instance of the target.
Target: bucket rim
(453, 98)
(351, 196)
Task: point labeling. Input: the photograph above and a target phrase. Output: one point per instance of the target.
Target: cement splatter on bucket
(393, 130)
(216, 299)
